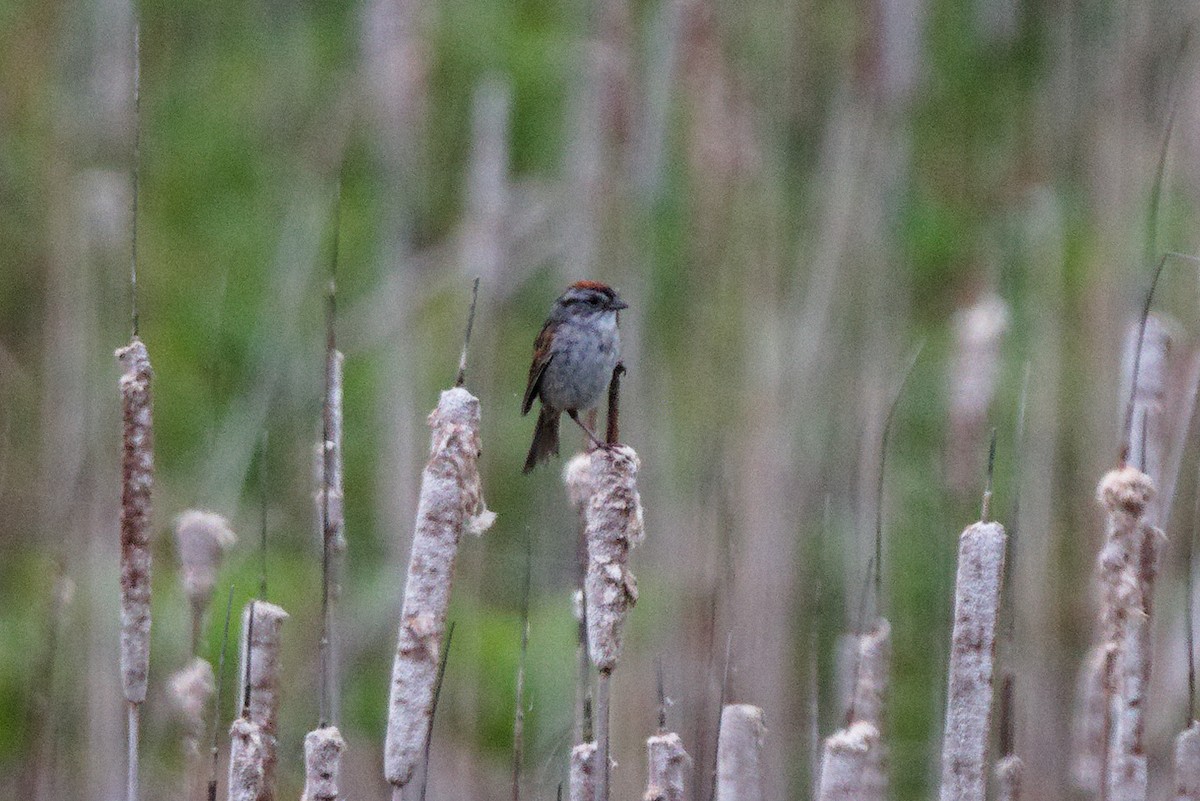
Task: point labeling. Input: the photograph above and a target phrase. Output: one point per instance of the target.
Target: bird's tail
(545, 439)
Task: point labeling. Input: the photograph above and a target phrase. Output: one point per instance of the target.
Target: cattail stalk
(451, 502)
(667, 764)
(972, 655)
(262, 623)
(1187, 763)
(323, 764)
(137, 477)
(739, 754)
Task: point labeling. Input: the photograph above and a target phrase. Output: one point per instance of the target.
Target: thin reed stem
(519, 710)
(216, 717)
(133, 174)
(461, 378)
(883, 443)
(603, 689)
(131, 783)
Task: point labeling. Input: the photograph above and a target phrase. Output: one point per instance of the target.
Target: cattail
(584, 767)
(202, 538)
(451, 502)
(1187, 764)
(137, 480)
(1127, 567)
(191, 689)
(739, 754)
(260, 682)
(972, 655)
(852, 768)
(667, 762)
(854, 759)
(331, 527)
(137, 474)
(323, 764)
(614, 525)
(247, 761)
(1010, 771)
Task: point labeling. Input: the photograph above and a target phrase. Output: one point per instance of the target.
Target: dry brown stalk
(202, 538)
(323, 764)
(191, 689)
(739, 754)
(137, 474)
(1187, 764)
(853, 767)
(261, 671)
(667, 764)
(247, 761)
(972, 656)
(582, 779)
(1010, 771)
(451, 502)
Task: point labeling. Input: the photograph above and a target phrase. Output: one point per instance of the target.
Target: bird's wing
(541, 358)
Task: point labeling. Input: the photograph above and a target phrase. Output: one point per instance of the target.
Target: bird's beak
(617, 304)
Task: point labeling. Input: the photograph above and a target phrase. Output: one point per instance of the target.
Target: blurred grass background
(790, 195)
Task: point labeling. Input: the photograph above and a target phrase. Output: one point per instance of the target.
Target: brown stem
(613, 434)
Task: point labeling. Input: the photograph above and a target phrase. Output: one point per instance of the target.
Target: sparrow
(574, 356)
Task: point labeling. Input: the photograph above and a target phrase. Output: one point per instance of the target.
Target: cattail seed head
(972, 662)
(192, 688)
(613, 518)
(852, 765)
(323, 764)
(874, 667)
(1187, 764)
(584, 767)
(739, 754)
(451, 502)
(1010, 773)
(1125, 490)
(202, 538)
(668, 762)
(247, 761)
(137, 479)
(265, 670)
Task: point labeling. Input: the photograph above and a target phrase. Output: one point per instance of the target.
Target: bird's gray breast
(585, 354)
